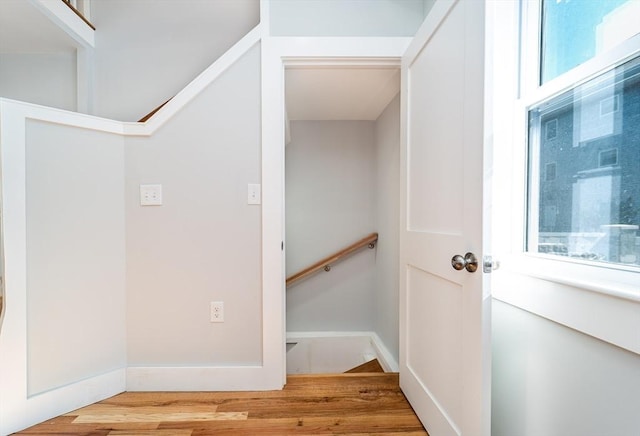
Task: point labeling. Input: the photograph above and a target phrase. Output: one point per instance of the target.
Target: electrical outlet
(253, 194)
(217, 311)
(151, 195)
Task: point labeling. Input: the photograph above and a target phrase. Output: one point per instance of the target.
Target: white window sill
(614, 280)
(600, 302)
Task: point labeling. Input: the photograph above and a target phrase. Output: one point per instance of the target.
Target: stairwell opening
(342, 161)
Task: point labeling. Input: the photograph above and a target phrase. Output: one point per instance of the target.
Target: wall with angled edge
(204, 243)
(70, 214)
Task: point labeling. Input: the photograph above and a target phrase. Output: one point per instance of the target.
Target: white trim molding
(609, 318)
(61, 15)
(278, 52)
(196, 86)
(194, 378)
(386, 359)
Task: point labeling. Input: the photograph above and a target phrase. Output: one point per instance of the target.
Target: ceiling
(24, 29)
(339, 92)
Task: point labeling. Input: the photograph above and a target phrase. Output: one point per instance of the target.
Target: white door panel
(444, 369)
(436, 107)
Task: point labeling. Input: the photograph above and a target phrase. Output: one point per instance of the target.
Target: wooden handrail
(78, 13)
(153, 112)
(326, 263)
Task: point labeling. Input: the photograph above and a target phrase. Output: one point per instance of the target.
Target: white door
(444, 313)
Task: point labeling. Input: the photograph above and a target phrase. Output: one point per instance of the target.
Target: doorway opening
(342, 161)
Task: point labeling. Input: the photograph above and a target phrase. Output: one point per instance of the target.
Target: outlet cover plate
(217, 311)
(151, 195)
(253, 194)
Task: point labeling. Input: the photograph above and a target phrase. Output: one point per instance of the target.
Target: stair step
(370, 366)
(339, 383)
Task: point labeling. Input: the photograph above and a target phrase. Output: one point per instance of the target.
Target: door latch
(488, 264)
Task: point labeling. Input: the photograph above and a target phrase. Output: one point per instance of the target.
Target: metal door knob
(468, 262)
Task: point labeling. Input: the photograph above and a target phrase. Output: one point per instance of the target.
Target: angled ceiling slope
(339, 93)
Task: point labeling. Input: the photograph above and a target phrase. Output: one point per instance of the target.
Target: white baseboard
(388, 363)
(206, 378)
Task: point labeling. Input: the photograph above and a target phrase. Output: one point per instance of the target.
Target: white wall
(147, 50)
(554, 381)
(75, 254)
(330, 203)
(204, 243)
(347, 17)
(342, 183)
(48, 79)
(387, 140)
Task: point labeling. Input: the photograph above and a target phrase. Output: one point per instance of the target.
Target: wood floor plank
(65, 430)
(65, 425)
(106, 418)
(179, 398)
(336, 425)
(328, 382)
(86, 429)
(62, 425)
(329, 407)
(151, 433)
(111, 409)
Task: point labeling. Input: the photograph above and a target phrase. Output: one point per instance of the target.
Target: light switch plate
(253, 194)
(150, 195)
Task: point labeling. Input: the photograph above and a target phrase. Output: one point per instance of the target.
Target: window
(551, 129)
(576, 31)
(550, 172)
(592, 209)
(583, 185)
(608, 157)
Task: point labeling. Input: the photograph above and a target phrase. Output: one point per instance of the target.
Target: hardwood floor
(346, 404)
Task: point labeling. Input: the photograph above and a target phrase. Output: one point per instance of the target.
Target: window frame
(546, 129)
(599, 299)
(554, 165)
(534, 93)
(602, 152)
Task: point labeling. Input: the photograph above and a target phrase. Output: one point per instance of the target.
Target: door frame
(277, 54)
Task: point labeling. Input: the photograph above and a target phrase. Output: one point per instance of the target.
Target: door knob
(468, 262)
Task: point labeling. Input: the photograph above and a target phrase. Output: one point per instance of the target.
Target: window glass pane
(584, 177)
(574, 31)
